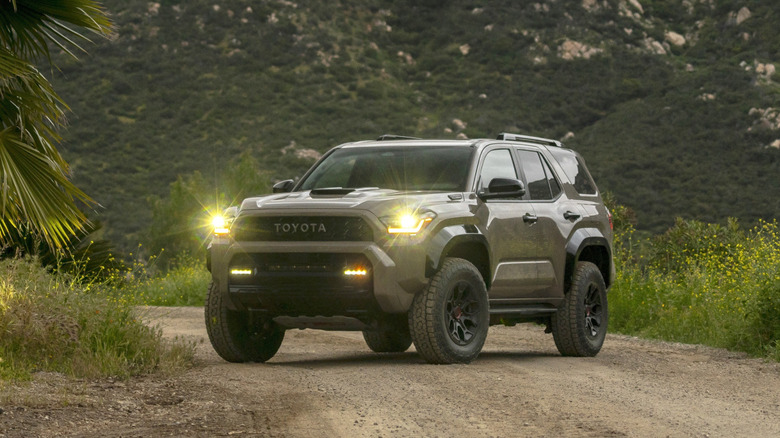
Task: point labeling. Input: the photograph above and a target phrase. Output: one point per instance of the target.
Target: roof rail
(528, 138)
(396, 137)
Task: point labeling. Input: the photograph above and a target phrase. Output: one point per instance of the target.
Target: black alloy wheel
(462, 313)
(594, 311)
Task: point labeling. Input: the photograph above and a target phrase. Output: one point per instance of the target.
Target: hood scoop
(339, 191)
(331, 191)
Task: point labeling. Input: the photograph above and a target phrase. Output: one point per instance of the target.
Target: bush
(688, 240)
(765, 320)
(184, 284)
(709, 284)
(181, 223)
(53, 323)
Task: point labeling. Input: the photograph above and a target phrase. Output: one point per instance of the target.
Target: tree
(181, 222)
(35, 191)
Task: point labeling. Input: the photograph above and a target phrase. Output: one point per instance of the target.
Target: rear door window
(542, 184)
(575, 170)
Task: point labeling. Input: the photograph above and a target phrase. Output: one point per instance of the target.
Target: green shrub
(53, 323)
(688, 240)
(765, 320)
(708, 284)
(184, 284)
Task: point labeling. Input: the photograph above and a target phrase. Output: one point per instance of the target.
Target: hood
(379, 201)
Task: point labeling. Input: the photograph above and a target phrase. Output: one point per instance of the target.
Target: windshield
(430, 168)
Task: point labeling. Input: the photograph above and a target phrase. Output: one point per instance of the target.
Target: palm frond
(25, 24)
(35, 190)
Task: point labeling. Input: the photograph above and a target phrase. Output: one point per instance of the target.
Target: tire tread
(234, 344)
(569, 335)
(431, 343)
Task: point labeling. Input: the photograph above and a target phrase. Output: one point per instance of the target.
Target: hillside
(675, 104)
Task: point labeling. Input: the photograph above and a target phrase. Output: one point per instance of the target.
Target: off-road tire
(391, 336)
(235, 336)
(449, 319)
(580, 324)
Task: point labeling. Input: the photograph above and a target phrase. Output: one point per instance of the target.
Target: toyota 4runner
(417, 241)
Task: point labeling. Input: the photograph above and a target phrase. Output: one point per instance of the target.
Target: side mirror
(285, 186)
(503, 188)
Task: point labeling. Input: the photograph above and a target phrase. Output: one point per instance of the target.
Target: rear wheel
(392, 335)
(579, 326)
(449, 320)
(236, 336)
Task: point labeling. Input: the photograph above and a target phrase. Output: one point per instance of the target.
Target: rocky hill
(674, 103)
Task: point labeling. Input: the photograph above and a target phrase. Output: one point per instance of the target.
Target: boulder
(674, 38)
(637, 6)
(743, 15)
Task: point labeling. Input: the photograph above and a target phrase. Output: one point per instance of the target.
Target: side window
(542, 185)
(554, 186)
(498, 164)
(576, 171)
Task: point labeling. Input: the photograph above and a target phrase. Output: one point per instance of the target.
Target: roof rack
(396, 137)
(528, 138)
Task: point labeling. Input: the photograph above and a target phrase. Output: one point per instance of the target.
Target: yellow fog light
(359, 272)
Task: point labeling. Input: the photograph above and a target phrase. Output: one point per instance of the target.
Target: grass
(703, 284)
(55, 323)
(184, 284)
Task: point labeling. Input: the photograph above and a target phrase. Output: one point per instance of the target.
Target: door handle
(530, 218)
(571, 215)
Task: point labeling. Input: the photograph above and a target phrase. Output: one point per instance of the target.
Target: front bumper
(395, 274)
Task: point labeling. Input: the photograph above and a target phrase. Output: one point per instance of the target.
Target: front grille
(302, 283)
(301, 229)
(300, 271)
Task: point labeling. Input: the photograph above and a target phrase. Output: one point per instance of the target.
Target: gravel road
(331, 384)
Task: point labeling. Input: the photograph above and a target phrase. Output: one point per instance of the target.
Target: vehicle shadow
(399, 359)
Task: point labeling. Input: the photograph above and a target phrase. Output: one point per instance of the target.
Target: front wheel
(449, 320)
(580, 324)
(237, 337)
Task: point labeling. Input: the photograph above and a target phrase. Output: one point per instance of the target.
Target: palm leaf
(24, 24)
(35, 191)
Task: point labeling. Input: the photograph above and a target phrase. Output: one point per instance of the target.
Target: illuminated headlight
(220, 225)
(408, 223)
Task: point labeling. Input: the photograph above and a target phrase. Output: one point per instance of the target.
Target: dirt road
(330, 384)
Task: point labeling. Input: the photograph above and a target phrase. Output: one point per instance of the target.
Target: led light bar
(240, 272)
(355, 272)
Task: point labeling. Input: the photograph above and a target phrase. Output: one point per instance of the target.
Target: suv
(424, 241)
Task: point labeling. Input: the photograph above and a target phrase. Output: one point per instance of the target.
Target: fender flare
(448, 237)
(578, 242)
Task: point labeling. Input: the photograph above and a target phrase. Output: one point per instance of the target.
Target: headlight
(408, 223)
(220, 225)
